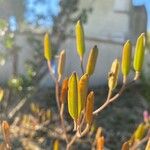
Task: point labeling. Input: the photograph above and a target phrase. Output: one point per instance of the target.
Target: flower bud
(148, 145)
(56, 145)
(113, 75)
(100, 143)
(6, 131)
(47, 47)
(126, 59)
(89, 108)
(138, 135)
(139, 54)
(80, 39)
(61, 63)
(92, 61)
(82, 92)
(1, 94)
(125, 146)
(73, 96)
(64, 90)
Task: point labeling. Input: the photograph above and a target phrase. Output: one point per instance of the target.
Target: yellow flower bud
(47, 47)
(64, 90)
(138, 135)
(80, 39)
(148, 145)
(89, 108)
(92, 61)
(48, 114)
(113, 75)
(82, 92)
(73, 96)
(139, 53)
(56, 145)
(1, 94)
(61, 63)
(126, 59)
(100, 143)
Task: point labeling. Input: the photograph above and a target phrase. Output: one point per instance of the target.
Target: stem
(81, 63)
(140, 143)
(56, 84)
(60, 109)
(72, 141)
(57, 94)
(51, 71)
(78, 135)
(62, 122)
(109, 100)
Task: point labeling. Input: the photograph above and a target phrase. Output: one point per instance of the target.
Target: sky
(45, 7)
(146, 3)
(51, 7)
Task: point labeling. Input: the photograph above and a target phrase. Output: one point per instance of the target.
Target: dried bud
(82, 92)
(89, 108)
(64, 90)
(92, 61)
(139, 54)
(80, 39)
(73, 96)
(126, 59)
(138, 135)
(113, 75)
(61, 63)
(47, 47)
(56, 145)
(100, 143)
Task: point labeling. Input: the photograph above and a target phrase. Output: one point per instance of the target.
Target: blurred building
(109, 25)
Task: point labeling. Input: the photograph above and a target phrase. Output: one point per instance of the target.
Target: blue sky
(44, 7)
(51, 7)
(146, 3)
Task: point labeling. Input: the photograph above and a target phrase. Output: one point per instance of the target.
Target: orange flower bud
(82, 92)
(100, 143)
(61, 63)
(6, 132)
(64, 90)
(89, 108)
(125, 146)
